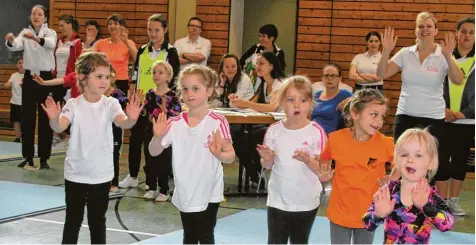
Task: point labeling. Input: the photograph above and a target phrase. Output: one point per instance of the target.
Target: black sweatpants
(117, 136)
(33, 95)
(96, 199)
(457, 141)
(284, 225)
(156, 168)
(199, 227)
(136, 140)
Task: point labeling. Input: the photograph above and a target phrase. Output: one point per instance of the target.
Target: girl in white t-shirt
(200, 141)
(15, 83)
(294, 187)
(88, 169)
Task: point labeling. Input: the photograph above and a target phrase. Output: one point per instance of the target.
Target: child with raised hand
(410, 207)
(88, 169)
(360, 153)
(15, 82)
(200, 141)
(294, 188)
(159, 99)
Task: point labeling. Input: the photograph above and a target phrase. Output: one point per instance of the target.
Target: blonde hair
(422, 16)
(88, 62)
(359, 101)
(424, 137)
(167, 66)
(208, 76)
(300, 83)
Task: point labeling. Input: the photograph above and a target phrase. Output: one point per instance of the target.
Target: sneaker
(114, 189)
(146, 187)
(24, 163)
(17, 140)
(455, 208)
(151, 195)
(162, 198)
(44, 165)
(129, 182)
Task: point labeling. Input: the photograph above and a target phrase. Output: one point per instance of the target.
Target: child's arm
(438, 212)
(267, 156)
(52, 82)
(221, 148)
(160, 129)
(382, 206)
(371, 220)
(321, 168)
(58, 122)
(133, 110)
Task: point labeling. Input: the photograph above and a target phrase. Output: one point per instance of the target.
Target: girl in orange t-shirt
(360, 153)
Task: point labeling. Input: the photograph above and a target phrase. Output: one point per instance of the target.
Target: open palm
(389, 40)
(52, 109)
(383, 205)
(160, 125)
(134, 107)
(214, 145)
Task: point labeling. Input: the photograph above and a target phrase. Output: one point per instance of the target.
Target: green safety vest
(456, 90)
(145, 81)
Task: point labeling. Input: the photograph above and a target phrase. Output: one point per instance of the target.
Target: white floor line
(110, 229)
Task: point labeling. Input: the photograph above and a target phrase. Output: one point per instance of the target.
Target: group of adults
(437, 82)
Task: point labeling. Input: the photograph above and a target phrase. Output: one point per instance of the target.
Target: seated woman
(232, 81)
(331, 101)
(268, 68)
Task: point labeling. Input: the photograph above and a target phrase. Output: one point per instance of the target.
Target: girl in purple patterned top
(158, 100)
(410, 207)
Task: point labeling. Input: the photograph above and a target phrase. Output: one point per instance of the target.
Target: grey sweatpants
(343, 235)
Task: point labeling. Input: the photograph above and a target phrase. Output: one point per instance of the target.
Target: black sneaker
(44, 165)
(22, 164)
(17, 140)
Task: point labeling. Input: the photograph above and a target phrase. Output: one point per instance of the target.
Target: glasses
(198, 27)
(330, 76)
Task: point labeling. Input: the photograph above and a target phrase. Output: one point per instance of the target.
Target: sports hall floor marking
(110, 229)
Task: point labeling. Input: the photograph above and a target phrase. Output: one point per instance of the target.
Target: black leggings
(456, 144)
(283, 225)
(199, 227)
(117, 133)
(156, 168)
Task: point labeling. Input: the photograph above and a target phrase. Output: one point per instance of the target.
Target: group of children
(297, 151)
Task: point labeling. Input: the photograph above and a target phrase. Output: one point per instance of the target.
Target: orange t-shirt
(117, 54)
(358, 166)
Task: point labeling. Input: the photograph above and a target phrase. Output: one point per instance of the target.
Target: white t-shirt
(367, 64)
(201, 45)
(89, 158)
(293, 186)
(16, 80)
(277, 84)
(422, 84)
(198, 175)
(62, 56)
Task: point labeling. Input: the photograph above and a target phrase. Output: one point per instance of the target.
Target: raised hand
(28, 34)
(383, 181)
(134, 107)
(214, 144)
(52, 109)
(265, 152)
(9, 37)
(160, 126)
(389, 40)
(124, 34)
(382, 203)
(448, 44)
(302, 156)
(38, 79)
(325, 172)
(421, 193)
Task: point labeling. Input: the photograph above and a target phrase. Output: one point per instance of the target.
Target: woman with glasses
(331, 101)
(363, 67)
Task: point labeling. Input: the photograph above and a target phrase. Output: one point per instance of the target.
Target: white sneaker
(455, 208)
(151, 195)
(129, 182)
(162, 198)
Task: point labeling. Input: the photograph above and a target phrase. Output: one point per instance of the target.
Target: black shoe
(17, 140)
(44, 165)
(22, 164)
